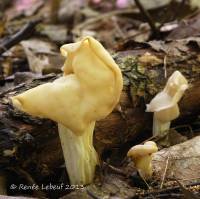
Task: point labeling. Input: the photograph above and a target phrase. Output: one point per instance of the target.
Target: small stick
(165, 171)
(24, 33)
(115, 170)
(104, 16)
(55, 4)
(148, 18)
(170, 189)
(165, 65)
(186, 192)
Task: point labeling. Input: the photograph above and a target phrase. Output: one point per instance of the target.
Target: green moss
(135, 76)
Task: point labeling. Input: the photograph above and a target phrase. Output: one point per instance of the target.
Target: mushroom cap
(164, 104)
(88, 91)
(175, 84)
(167, 114)
(143, 150)
(160, 102)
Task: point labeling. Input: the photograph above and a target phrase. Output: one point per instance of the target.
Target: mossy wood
(33, 143)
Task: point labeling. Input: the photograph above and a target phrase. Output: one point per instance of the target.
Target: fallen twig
(89, 21)
(168, 190)
(115, 170)
(24, 33)
(165, 171)
(188, 194)
(148, 17)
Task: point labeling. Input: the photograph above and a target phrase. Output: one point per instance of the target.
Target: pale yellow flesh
(160, 127)
(165, 104)
(79, 154)
(88, 91)
(144, 166)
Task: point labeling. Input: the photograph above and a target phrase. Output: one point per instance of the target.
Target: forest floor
(149, 40)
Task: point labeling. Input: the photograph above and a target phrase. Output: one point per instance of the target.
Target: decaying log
(33, 143)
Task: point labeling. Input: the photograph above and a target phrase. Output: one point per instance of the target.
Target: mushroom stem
(79, 154)
(160, 127)
(144, 166)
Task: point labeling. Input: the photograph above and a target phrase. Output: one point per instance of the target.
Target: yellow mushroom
(165, 104)
(142, 157)
(87, 92)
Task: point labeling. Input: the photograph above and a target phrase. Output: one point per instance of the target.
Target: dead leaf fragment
(41, 55)
(183, 160)
(186, 28)
(57, 33)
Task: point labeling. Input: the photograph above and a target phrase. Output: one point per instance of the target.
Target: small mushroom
(142, 157)
(87, 92)
(165, 104)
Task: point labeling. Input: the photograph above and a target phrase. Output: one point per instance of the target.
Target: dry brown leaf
(41, 55)
(183, 160)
